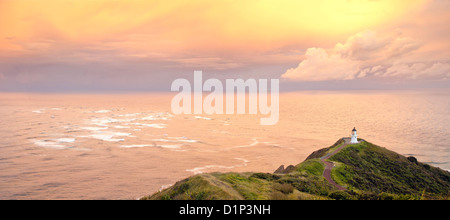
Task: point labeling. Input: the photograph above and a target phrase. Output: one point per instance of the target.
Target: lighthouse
(354, 139)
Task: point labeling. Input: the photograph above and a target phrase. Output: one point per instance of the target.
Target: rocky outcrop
(282, 170)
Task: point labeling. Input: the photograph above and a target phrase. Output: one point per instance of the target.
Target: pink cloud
(320, 65)
(368, 54)
(419, 70)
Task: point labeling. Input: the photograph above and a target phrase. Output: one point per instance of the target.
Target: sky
(144, 45)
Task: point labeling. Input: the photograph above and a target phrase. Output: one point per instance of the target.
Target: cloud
(418, 70)
(368, 54)
(320, 65)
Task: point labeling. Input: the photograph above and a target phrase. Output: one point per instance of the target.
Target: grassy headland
(368, 172)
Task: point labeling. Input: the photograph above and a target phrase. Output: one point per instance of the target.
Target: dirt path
(330, 165)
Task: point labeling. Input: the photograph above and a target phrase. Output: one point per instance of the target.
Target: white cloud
(320, 65)
(367, 54)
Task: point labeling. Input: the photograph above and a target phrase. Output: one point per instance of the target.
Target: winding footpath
(329, 165)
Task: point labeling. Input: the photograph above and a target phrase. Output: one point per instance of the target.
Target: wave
(102, 111)
(151, 125)
(255, 142)
(158, 116)
(107, 120)
(110, 136)
(204, 118)
(94, 128)
(129, 115)
(38, 111)
(177, 146)
(59, 143)
(120, 126)
(182, 139)
(200, 170)
(65, 140)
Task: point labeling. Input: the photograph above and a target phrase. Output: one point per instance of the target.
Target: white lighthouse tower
(354, 139)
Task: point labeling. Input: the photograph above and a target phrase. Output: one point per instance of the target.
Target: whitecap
(255, 142)
(109, 136)
(160, 140)
(137, 145)
(200, 170)
(242, 159)
(120, 126)
(175, 146)
(176, 139)
(65, 140)
(42, 110)
(149, 118)
(151, 145)
(103, 121)
(151, 125)
(102, 111)
(50, 144)
(158, 116)
(204, 118)
(183, 139)
(106, 137)
(129, 115)
(94, 128)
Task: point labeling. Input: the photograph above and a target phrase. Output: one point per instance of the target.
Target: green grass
(249, 187)
(369, 172)
(193, 188)
(371, 168)
(313, 166)
(333, 148)
(324, 151)
(339, 174)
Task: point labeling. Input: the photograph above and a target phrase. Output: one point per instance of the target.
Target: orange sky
(183, 24)
(41, 38)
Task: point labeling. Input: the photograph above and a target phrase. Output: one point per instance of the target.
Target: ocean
(125, 146)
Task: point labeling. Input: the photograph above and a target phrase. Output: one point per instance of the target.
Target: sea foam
(58, 143)
(152, 145)
(110, 136)
(160, 126)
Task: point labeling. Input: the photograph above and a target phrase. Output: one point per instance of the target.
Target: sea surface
(125, 146)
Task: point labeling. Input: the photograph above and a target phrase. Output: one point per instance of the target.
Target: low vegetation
(375, 169)
(368, 172)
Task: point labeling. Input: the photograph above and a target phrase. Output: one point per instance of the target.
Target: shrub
(385, 196)
(340, 195)
(276, 195)
(284, 188)
(265, 176)
(367, 196)
(412, 159)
